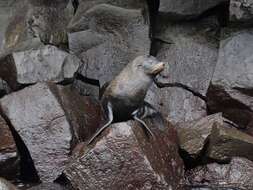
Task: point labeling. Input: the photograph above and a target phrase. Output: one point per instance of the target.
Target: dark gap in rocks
(28, 171)
(90, 81)
(75, 4)
(62, 180)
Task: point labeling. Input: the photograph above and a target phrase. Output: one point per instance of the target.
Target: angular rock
(5, 185)
(39, 19)
(125, 158)
(230, 91)
(47, 63)
(241, 11)
(191, 51)
(193, 138)
(226, 143)
(109, 38)
(180, 9)
(9, 159)
(233, 176)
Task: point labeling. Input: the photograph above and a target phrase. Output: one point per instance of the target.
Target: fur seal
(123, 98)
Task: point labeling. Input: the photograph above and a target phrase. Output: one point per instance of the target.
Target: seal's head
(148, 64)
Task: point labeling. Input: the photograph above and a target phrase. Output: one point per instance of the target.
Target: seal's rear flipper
(110, 116)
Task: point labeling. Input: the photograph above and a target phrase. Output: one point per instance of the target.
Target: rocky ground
(55, 57)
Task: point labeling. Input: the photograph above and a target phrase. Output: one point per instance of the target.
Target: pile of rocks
(47, 114)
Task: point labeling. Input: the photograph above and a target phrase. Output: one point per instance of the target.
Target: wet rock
(125, 158)
(191, 51)
(39, 119)
(5, 185)
(41, 19)
(230, 91)
(109, 38)
(180, 9)
(233, 176)
(226, 143)
(47, 63)
(241, 10)
(194, 136)
(48, 186)
(9, 159)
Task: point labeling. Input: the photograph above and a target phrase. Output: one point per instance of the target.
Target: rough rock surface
(47, 63)
(9, 163)
(231, 86)
(5, 185)
(181, 9)
(34, 19)
(241, 10)
(226, 143)
(111, 37)
(237, 174)
(39, 119)
(191, 56)
(125, 158)
(194, 136)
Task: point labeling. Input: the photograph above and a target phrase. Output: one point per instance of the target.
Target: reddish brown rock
(123, 157)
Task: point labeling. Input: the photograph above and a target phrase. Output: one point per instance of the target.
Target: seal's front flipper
(135, 116)
(110, 116)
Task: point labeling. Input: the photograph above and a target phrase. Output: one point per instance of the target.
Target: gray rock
(39, 119)
(226, 143)
(191, 56)
(241, 11)
(238, 174)
(47, 63)
(124, 158)
(109, 38)
(40, 19)
(180, 9)
(9, 159)
(230, 91)
(5, 185)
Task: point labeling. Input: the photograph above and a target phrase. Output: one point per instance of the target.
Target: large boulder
(238, 174)
(46, 20)
(107, 38)
(181, 9)
(5, 185)
(39, 117)
(46, 63)
(125, 158)
(9, 159)
(191, 51)
(230, 91)
(241, 11)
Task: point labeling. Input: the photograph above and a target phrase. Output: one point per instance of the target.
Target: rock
(48, 186)
(226, 143)
(194, 136)
(191, 51)
(230, 91)
(5, 185)
(241, 11)
(47, 63)
(180, 9)
(233, 176)
(9, 159)
(34, 20)
(4, 88)
(107, 44)
(124, 158)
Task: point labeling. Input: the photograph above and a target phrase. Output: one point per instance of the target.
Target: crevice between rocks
(28, 171)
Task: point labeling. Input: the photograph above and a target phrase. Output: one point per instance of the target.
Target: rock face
(231, 86)
(194, 136)
(109, 38)
(9, 163)
(226, 143)
(34, 19)
(124, 158)
(5, 185)
(47, 63)
(191, 56)
(237, 174)
(241, 11)
(181, 9)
